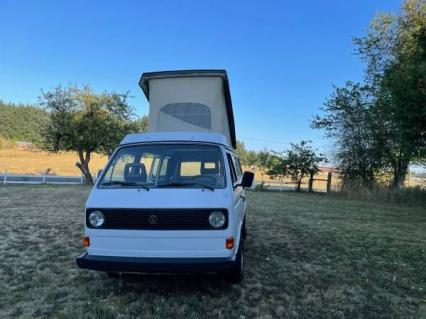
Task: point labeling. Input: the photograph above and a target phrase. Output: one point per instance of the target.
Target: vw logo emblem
(153, 219)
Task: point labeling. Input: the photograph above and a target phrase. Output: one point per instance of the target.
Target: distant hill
(22, 122)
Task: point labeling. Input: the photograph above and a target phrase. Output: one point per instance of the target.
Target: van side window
(232, 167)
(238, 167)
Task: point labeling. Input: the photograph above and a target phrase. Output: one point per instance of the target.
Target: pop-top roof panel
(190, 101)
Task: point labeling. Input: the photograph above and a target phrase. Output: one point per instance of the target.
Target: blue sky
(282, 57)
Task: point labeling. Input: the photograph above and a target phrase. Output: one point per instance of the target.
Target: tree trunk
(83, 165)
(299, 182)
(399, 173)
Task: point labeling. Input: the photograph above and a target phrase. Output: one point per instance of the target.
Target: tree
(380, 126)
(251, 159)
(278, 166)
(394, 50)
(86, 122)
(141, 124)
(301, 160)
(242, 152)
(22, 122)
(349, 117)
(263, 162)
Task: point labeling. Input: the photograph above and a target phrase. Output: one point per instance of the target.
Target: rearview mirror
(247, 179)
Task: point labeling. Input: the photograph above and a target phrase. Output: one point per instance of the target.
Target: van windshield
(166, 165)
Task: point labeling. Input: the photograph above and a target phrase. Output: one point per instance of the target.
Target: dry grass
(36, 162)
(308, 256)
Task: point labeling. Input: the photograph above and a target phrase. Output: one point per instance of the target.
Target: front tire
(236, 273)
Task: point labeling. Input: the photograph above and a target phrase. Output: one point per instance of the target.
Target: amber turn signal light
(229, 243)
(86, 241)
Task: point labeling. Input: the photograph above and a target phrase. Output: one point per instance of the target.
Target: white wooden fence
(7, 178)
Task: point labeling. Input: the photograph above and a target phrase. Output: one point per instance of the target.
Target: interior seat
(135, 173)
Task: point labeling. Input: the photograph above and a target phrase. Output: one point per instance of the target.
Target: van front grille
(157, 219)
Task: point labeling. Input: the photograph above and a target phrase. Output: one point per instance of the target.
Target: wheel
(113, 274)
(236, 273)
(244, 230)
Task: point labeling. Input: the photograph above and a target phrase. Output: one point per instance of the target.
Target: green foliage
(141, 124)
(381, 126)
(297, 162)
(254, 160)
(349, 118)
(301, 160)
(242, 152)
(412, 196)
(86, 122)
(263, 162)
(394, 50)
(261, 187)
(251, 159)
(278, 167)
(22, 122)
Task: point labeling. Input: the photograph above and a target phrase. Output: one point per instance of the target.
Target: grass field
(308, 256)
(18, 161)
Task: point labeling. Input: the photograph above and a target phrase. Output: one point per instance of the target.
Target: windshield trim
(221, 148)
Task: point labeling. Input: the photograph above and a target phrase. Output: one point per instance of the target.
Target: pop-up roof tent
(186, 101)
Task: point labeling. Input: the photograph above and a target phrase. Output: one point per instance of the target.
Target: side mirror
(247, 179)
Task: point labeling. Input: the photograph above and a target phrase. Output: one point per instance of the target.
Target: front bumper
(154, 265)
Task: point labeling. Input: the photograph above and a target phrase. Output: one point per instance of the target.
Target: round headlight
(96, 218)
(216, 219)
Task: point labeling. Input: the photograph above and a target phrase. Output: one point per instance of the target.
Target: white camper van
(172, 200)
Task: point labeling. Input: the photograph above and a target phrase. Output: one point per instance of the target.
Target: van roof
(145, 85)
(205, 137)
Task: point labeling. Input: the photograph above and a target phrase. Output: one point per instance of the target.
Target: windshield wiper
(121, 183)
(185, 184)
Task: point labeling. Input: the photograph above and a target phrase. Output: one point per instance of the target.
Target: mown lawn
(308, 256)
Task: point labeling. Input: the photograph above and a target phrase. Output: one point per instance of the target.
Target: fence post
(311, 182)
(44, 178)
(5, 177)
(329, 183)
(81, 179)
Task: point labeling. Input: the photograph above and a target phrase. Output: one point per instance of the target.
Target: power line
(262, 140)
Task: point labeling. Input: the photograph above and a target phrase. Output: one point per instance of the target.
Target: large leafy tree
(85, 122)
(350, 119)
(394, 50)
(381, 125)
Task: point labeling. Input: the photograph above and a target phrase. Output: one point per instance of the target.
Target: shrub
(261, 187)
(415, 196)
